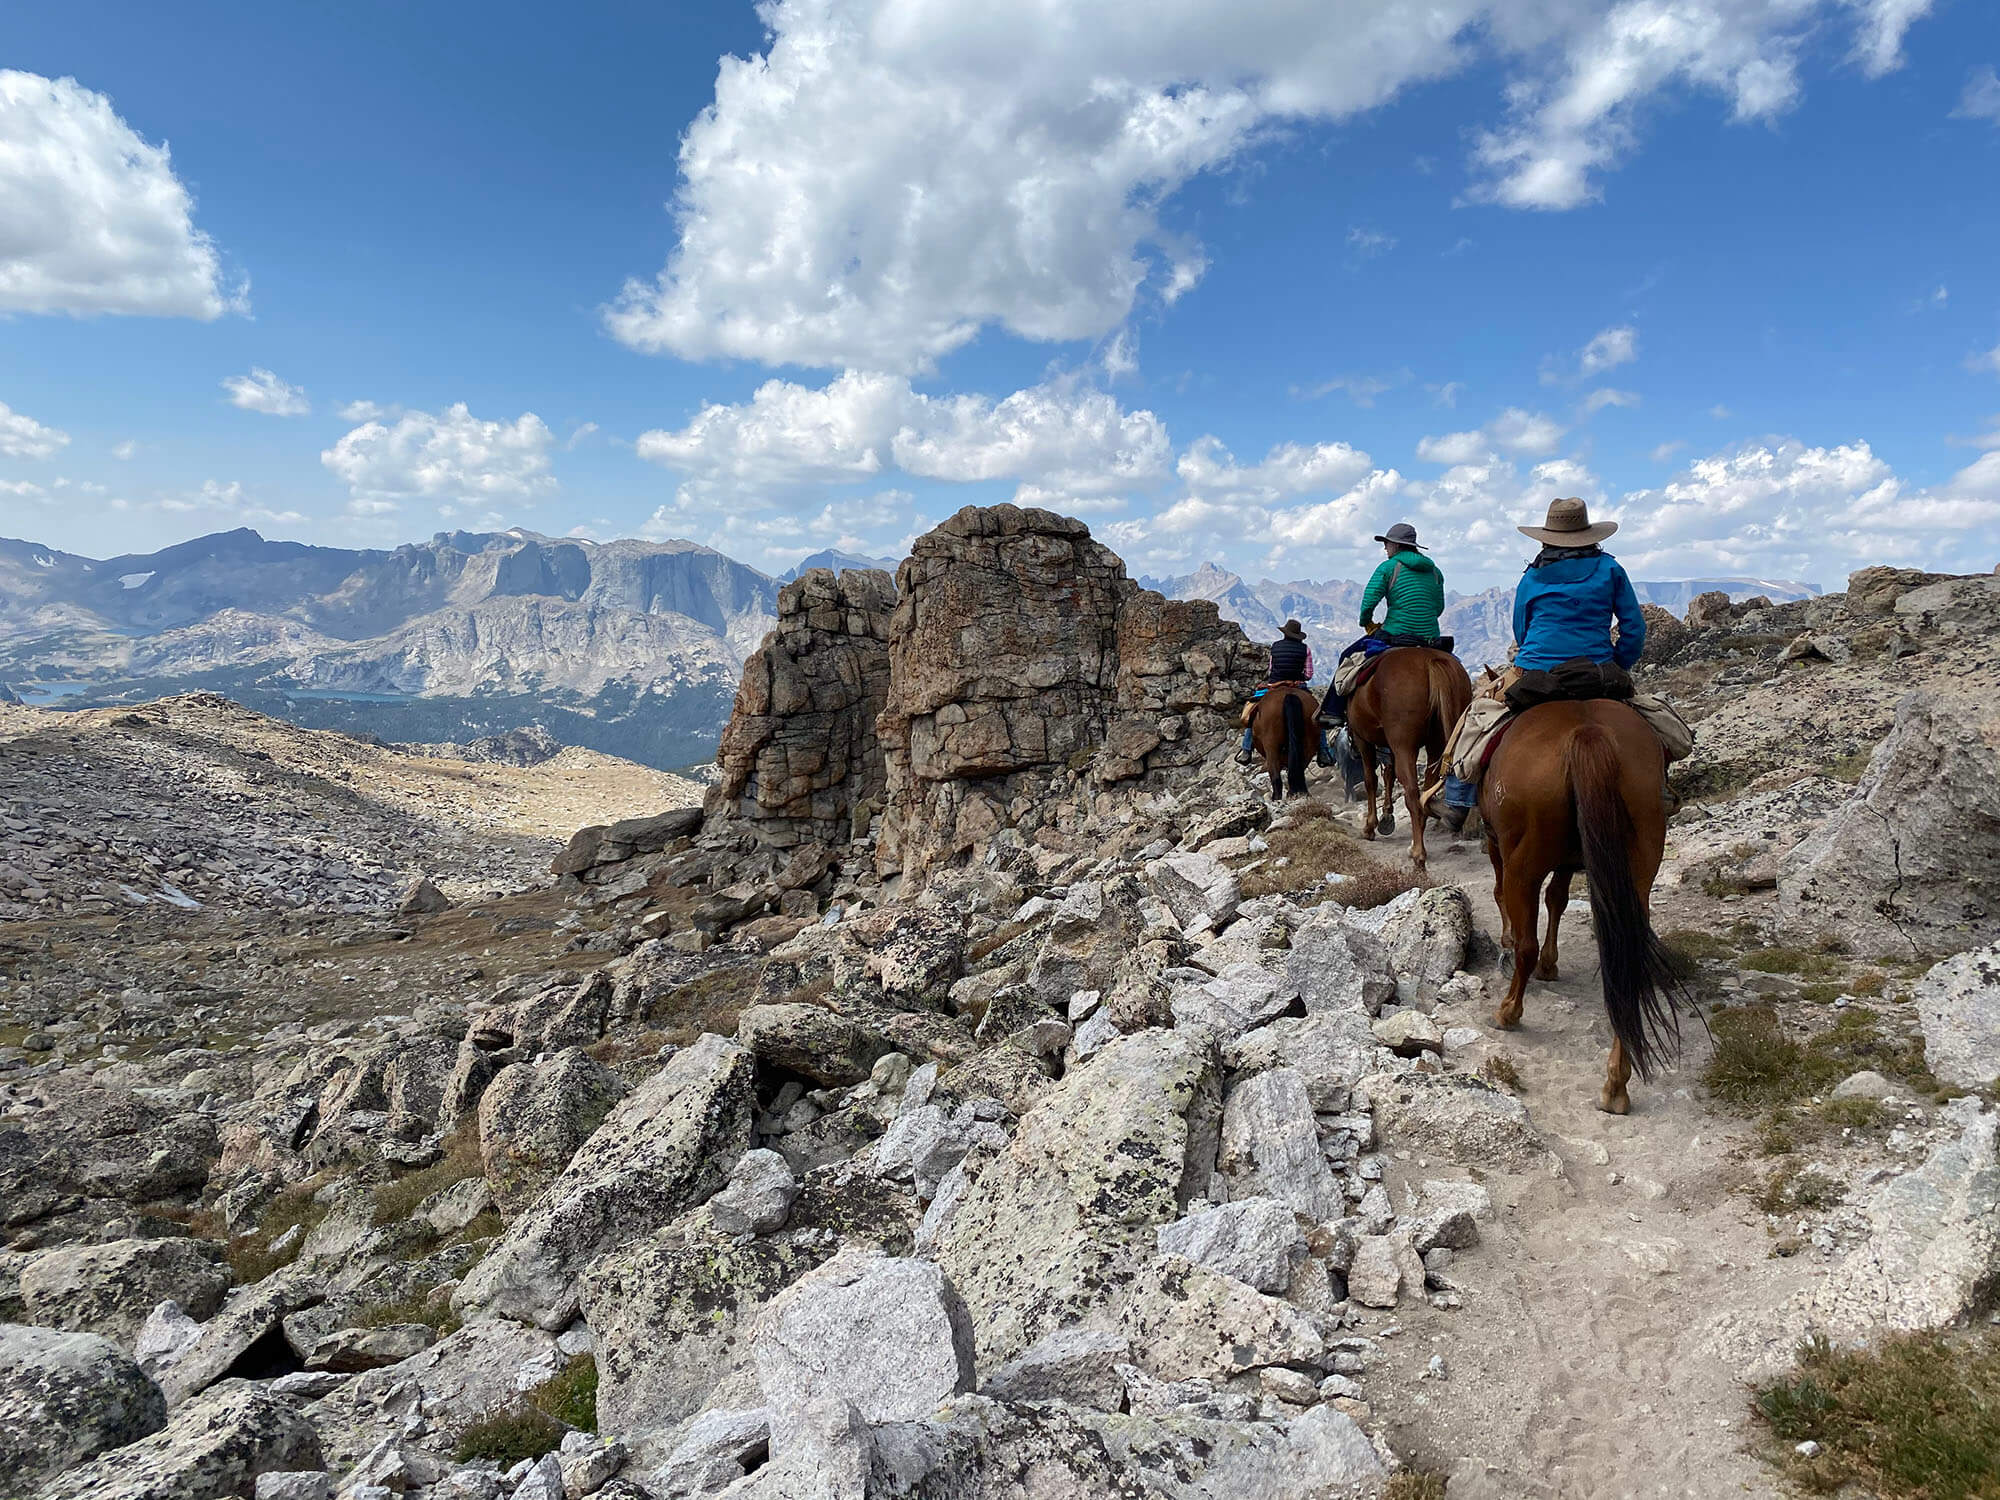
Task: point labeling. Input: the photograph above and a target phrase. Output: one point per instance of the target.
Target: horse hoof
(1501, 1022)
(1546, 971)
(1619, 1103)
(1368, 833)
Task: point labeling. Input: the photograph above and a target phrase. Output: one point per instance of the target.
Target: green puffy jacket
(1415, 599)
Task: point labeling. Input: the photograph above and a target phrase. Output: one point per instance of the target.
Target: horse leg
(1614, 1100)
(1368, 786)
(1499, 900)
(1388, 822)
(1518, 902)
(1406, 773)
(1555, 898)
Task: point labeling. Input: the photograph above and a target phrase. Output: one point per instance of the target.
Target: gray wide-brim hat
(1568, 525)
(1403, 534)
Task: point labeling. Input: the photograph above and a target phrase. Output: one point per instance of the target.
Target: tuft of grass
(712, 1001)
(396, 1200)
(1501, 1070)
(1917, 1417)
(433, 1312)
(1314, 846)
(1868, 984)
(509, 1435)
(1756, 1067)
(570, 1395)
(1790, 1188)
(250, 1255)
(1723, 882)
(1411, 1485)
(1854, 1114)
(1794, 961)
(1848, 767)
(1690, 945)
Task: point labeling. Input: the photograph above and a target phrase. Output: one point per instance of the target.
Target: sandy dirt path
(1622, 1293)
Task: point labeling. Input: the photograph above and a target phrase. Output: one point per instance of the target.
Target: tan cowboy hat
(1568, 525)
(1295, 630)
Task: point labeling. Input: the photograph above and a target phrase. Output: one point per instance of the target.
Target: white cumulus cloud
(451, 457)
(263, 391)
(21, 436)
(890, 176)
(92, 217)
(1515, 430)
(1981, 98)
(1057, 435)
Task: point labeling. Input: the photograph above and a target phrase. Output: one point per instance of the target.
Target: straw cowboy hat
(1295, 630)
(1568, 525)
(1403, 534)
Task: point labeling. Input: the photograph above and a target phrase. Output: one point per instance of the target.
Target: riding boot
(1349, 761)
(1669, 798)
(1244, 753)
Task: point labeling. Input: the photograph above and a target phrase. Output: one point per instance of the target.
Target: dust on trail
(1621, 1295)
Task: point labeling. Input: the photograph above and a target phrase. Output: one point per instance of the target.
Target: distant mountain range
(630, 647)
(839, 562)
(1482, 623)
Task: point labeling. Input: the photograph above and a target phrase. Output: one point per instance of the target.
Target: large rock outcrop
(1021, 654)
(799, 757)
(1910, 864)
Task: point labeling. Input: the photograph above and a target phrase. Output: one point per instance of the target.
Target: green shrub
(396, 1200)
(1917, 1417)
(570, 1395)
(509, 1435)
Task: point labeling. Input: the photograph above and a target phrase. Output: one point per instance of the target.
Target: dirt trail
(1621, 1294)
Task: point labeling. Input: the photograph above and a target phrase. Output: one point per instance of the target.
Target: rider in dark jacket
(1291, 661)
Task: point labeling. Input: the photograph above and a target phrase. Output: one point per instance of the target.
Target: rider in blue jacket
(1572, 593)
(1564, 607)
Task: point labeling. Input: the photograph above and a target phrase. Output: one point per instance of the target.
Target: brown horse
(1410, 704)
(1281, 729)
(1576, 786)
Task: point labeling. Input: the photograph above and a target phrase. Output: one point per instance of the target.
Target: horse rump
(1645, 989)
(1297, 734)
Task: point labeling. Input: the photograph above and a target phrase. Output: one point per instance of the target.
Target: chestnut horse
(1281, 729)
(1577, 786)
(1411, 703)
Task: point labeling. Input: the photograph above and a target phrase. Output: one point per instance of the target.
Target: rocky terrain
(629, 647)
(986, 1092)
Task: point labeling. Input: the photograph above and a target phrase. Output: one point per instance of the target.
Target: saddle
(1572, 681)
(1250, 708)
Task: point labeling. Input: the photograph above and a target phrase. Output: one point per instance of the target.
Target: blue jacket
(1563, 610)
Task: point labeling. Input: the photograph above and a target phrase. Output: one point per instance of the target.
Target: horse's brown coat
(1285, 755)
(1577, 786)
(1409, 704)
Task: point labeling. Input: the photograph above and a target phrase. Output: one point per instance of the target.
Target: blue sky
(1238, 282)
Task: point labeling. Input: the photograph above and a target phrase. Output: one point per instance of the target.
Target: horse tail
(1450, 692)
(1295, 743)
(1644, 988)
